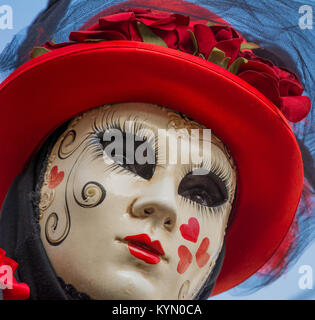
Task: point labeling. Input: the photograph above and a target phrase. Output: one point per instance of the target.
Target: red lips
(141, 247)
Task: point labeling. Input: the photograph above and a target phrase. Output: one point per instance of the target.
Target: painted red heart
(190, 231)
(202, 255)
(185, 259)
(55, 177)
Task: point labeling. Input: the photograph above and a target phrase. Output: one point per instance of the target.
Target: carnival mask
(122, 228)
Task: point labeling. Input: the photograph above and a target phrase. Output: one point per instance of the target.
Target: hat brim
(50, 89)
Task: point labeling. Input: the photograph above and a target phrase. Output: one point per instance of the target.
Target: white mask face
(134, 231)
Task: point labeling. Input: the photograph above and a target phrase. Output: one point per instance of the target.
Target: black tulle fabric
(271, 24)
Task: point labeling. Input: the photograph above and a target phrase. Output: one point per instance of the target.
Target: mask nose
(158, 204)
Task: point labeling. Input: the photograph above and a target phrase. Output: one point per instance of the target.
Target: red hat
(207, 72)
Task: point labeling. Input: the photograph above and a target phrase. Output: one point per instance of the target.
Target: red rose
(279, 85)
(123, 26)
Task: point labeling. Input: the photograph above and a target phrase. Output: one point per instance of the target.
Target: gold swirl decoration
(47, 195)
(180, 121)
(67, 147)
(51, 227)
(183, 291)
(93, 194)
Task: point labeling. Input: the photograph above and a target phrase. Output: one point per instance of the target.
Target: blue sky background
(284, 288)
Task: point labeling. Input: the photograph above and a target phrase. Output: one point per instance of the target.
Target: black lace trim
(71, 292)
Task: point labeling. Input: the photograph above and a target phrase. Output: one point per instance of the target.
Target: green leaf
(210, 23)
(249, 45)
(93, 40)
(202, 56)
(234, 67)
(194, 40)
(38, 51)
(225, 62)
(149, 36)
(217, 56)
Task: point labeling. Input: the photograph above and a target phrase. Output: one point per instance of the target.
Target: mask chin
(208, 285)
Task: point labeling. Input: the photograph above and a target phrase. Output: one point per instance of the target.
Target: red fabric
(19, 291)
(86, 75)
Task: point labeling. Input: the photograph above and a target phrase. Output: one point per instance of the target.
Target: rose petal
(185, 43)
(181, 20)
(138, 10)
(205, 39)
(285, 74)
(116, 18)
(81, 36)
(290, 87)
(295, 108)
(133, 32)
(223, 33)
(169, 37)
(259, 67)
(154, 16)
(252, 57)
(230, 47)
(167, 23)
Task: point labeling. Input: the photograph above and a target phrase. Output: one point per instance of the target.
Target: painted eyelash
(204, 210)
(222, 170)
(108, 122)
(116, 168)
